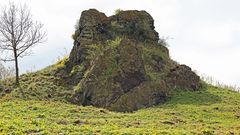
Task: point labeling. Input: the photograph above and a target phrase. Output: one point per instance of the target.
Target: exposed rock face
(95, 27)
(91, 29)
(145, 95)
(130, 63)
(112, 75)
(134, 24)
(119, 64)
(182, 77)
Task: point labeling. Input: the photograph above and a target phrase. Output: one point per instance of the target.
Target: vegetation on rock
(124, 67)
(118, 64)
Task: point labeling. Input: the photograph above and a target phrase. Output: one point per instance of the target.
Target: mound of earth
(118, 63)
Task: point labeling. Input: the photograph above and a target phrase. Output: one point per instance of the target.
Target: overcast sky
(204, 34)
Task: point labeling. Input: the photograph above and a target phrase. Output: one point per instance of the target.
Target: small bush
(74, 37)
(77, 31)
(117, 11)
(113, 44)
(163, 41)
(77, 26)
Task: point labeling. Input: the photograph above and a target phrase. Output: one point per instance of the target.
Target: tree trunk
(16, 67)
(17, 73)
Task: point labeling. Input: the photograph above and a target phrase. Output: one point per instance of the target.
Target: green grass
(45, 84)
(45, 110)
(210, 111)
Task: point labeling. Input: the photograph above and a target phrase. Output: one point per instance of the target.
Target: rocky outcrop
(90, 29)
(96, 28)
(112, 75)
(183, 78)
(119, 64)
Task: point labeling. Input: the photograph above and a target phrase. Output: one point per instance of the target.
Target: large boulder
(118, 63)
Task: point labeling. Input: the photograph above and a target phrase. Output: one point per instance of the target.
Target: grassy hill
(118, 63)
(210, 111)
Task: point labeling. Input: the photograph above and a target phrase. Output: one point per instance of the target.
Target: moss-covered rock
(119, 64)
(112, 74)
(116, 63)
(182, 77)
(146, 94)
(131, 72)
(96, 28)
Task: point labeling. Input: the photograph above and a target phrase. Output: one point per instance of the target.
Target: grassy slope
(45, 111)
(44, 84)
(213, 111)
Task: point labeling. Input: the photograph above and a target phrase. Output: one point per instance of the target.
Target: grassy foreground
(211, 111)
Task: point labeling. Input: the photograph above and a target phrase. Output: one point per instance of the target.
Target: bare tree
(18, 33)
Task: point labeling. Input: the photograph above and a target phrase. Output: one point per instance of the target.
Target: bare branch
(6, 60)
